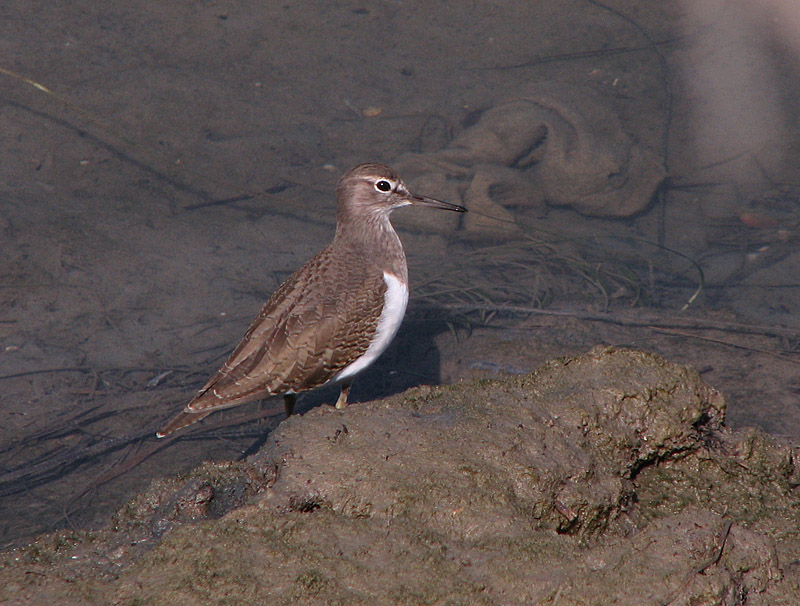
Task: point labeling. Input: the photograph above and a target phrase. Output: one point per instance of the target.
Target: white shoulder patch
(394, 308)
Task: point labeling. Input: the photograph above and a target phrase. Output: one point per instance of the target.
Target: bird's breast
(395, 300)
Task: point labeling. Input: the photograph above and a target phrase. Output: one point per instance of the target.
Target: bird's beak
(434, 203)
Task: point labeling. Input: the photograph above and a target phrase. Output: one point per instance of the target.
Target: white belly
(394, 308)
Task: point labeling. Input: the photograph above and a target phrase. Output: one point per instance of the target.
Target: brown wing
(297, 342)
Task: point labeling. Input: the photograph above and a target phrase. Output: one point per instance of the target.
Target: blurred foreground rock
(606, 478)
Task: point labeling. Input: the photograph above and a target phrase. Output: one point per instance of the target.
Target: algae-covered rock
(607, 478)
(555, 449)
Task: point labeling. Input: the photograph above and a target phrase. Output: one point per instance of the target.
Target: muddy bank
(184, 160)
(607, 477)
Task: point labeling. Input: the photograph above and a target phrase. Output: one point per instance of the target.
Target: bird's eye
(383, 185)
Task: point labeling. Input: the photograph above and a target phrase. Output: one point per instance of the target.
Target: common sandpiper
(334, 316)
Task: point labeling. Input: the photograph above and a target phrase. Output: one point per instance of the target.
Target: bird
(334, 316)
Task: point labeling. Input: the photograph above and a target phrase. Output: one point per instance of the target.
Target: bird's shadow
(412, 359)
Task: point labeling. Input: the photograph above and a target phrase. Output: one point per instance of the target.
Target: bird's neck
(372, 237)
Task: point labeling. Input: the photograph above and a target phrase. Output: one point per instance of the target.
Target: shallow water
(184, 160)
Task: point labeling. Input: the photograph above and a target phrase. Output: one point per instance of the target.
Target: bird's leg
(288, 402)
(342, 401)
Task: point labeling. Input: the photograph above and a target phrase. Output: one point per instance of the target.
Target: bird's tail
(181, 420)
